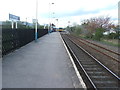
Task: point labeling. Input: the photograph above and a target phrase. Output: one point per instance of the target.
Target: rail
(113, 58)
(98, 66)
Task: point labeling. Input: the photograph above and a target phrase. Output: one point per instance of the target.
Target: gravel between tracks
(83, 57)
(108, 62)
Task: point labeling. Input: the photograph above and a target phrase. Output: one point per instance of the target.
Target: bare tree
(90, 25)
(100, 22)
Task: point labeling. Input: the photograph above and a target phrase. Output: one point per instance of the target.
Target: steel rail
(98, 46)
(100, 51)
(81, 65)
(96, 60)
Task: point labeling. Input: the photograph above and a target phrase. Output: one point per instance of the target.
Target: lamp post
(57, 24)
(69, 25)
(49, 25)
(26, 22)
(53, 17)
(36, 20)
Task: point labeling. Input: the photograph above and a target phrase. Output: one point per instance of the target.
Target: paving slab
(41, 64)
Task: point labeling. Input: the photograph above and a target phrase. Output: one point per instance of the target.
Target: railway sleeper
(92, 69)
(97, 73)
(105, 83)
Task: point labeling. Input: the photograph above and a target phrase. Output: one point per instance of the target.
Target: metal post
(44, 26)
(48, 28)
(69, 25)
(16, 24)
(36, 20)
(26, 21)
(52, 14)
(50, 19)
(53, 19)
(12, 24)
(57, 25)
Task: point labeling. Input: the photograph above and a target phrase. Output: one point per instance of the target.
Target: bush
(77, 30)
(112, 36)
(98, 34)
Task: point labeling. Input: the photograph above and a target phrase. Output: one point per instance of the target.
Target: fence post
(12, 24)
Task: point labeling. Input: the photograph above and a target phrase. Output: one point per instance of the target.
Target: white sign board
(34, 20)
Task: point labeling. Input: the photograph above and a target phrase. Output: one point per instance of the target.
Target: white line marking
(76, 70)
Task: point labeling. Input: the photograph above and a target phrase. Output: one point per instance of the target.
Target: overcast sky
(64, 10)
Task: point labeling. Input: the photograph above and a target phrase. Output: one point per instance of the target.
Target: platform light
(36, 34)
(49, 25)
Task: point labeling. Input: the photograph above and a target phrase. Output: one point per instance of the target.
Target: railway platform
(41, 64)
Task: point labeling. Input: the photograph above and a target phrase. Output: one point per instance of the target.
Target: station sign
(13, 17)
(34, 20)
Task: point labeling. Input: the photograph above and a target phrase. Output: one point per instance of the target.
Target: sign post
(14, 18)
(12, 24)
(16, 24)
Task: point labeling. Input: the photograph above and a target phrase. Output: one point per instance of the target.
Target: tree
(92, 24)
(6, 24)
(100, 22)
(76, 29)
(98, 34)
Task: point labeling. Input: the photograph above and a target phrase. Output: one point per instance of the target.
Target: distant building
(119, 13)
(110, 31)
(28, 24)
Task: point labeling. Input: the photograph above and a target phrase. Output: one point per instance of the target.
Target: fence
(16, 38)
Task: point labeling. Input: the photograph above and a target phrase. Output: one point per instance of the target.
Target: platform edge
(75, 68)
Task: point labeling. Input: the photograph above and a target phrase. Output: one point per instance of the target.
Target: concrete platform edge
(75, 68)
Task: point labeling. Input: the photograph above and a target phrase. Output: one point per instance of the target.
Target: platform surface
(41, 64)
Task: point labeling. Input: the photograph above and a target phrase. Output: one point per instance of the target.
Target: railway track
(94, 73)
(109, 53)
(108, 57)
